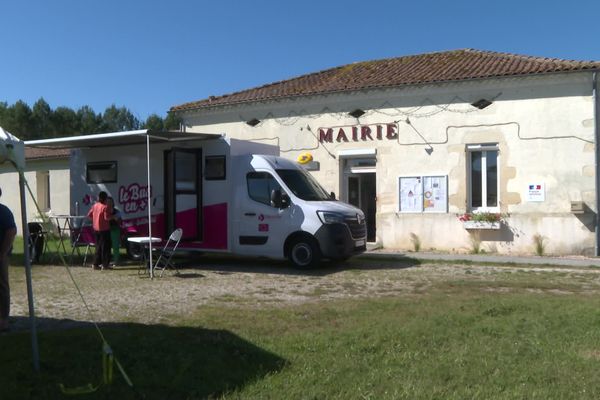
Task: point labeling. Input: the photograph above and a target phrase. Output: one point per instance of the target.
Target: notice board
(411, 194)
(435, 194)
(423, 193)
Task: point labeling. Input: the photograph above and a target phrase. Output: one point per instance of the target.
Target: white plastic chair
(164, 259)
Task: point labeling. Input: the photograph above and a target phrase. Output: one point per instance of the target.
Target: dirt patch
(591, 354)
(122, 295)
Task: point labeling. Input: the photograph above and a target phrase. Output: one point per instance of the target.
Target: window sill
(481, 225)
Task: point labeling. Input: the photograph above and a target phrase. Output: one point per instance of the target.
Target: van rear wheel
(305, 253)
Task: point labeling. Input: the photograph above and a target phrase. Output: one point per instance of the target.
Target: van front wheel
(305, 253)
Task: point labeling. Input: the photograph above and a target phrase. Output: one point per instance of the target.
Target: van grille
(357, 230)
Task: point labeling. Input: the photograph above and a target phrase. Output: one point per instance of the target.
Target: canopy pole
(597, 157)
(149, 207)
(34, 342)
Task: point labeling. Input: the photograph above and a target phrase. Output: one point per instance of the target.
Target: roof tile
(445, 66)
(36, 153)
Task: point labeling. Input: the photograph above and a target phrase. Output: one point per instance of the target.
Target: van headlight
(328, 217)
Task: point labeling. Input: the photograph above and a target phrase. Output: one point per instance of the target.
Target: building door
(183, 192)
(43, 190)
(359, 189)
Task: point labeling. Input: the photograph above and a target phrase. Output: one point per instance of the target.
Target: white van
(227, 195)
(282, 211)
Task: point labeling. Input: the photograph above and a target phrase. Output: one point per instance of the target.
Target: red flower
(464, 217)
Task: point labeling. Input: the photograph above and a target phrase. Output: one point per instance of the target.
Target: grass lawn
(501, 337)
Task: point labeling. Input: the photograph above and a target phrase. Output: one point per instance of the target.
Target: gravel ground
(123, 295)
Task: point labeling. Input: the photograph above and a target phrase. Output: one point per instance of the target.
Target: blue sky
(150, 55)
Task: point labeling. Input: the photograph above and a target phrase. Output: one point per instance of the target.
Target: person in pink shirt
(100, 215)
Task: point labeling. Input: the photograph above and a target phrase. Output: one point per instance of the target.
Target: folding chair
(82, 236)
(164, 259)
(37, 241)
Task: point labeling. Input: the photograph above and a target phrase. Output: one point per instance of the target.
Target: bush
(416, 241)
(539, 243)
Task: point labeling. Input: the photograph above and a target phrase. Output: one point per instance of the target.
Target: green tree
(3, 112)
(154, 123)
(172, 122)
(119, 119)
(89, 121)
(64, 122)
(19, 120)
(42, 121)
(42, 118)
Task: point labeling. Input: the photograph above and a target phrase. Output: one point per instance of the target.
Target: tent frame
(18, 162)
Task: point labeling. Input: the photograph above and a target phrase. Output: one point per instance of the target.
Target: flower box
(495, 225)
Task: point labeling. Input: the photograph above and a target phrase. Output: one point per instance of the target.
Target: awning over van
(120, 139)
(143, 136)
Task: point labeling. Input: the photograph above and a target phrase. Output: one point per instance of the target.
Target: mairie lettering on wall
(356, 133)
(134, 197)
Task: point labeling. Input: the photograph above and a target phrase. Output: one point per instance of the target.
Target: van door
(263, 228)
(183, 192)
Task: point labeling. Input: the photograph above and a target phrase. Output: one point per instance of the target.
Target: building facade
(428, 144)
(48, 177)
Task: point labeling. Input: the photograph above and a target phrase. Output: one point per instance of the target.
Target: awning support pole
(597, 157)
(149, 207)
(34, 342)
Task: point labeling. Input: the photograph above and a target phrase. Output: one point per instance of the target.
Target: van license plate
(359, 243)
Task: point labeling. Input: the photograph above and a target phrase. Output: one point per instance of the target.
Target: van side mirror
(285, 201)
(279, 200)
(276, 198)
(332, 194)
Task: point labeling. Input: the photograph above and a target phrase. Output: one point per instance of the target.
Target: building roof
(32, 153)
(455, 65)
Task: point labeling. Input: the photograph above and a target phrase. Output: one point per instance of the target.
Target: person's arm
(89, 214)
(116, 215)
(107, 213)
(6, 244)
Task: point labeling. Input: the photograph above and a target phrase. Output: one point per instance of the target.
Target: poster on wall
(435, 198)
(411, 194)
(536, 192)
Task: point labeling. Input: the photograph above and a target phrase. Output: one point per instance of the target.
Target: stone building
(436, 147)
(47, 175)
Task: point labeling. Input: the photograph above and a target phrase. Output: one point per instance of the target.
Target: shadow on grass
(228, 264)
(188, 275)
(163, 362)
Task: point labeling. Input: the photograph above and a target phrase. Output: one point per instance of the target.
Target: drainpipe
(597, 156)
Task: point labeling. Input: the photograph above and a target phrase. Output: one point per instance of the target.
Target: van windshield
(303, 185)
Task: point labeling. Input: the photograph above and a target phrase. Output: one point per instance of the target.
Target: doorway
(183, 192)
(360, 190)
